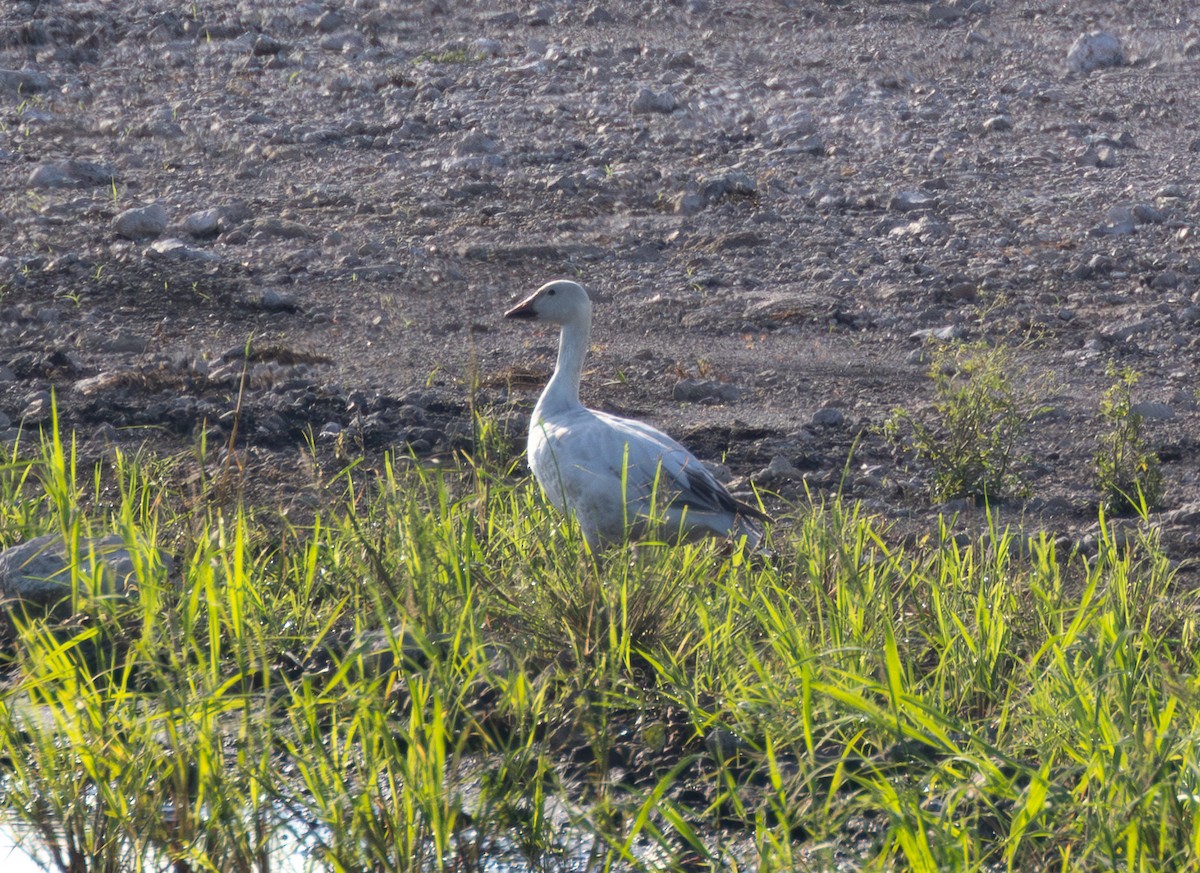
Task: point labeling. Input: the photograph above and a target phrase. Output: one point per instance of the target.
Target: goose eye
(550, 292)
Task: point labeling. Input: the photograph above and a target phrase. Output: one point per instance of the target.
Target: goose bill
(524, 309)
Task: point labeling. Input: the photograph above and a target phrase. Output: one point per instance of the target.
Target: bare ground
(768, 198)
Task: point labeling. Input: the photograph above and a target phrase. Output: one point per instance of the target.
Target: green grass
(436, 673)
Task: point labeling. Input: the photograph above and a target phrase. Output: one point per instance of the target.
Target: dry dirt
(771, 199)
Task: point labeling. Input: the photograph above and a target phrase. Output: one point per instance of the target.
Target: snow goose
(605, 470)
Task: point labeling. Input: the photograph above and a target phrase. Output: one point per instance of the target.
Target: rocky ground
(777, 204)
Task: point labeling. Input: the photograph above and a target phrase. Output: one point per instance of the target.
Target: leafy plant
(1128, 473)
(448, 56)
(970, 434)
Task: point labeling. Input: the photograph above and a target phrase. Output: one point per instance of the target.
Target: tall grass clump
(435, 673)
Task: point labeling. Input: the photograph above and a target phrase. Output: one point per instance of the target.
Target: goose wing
(681, 476)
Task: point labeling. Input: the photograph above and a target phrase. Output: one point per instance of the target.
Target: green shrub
(1127, 471)
(971, 432)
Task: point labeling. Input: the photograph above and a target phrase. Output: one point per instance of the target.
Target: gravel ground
(776, 204)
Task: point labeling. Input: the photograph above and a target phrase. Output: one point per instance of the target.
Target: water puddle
(22, 852)
(16, 859)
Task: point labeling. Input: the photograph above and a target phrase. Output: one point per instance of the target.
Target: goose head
(559, 302)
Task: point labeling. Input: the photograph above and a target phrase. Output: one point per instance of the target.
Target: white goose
(606, 470)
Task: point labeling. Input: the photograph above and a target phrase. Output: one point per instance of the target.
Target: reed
(436, 674)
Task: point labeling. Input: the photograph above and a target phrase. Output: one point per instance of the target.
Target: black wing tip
(718, 494)
(745, 509)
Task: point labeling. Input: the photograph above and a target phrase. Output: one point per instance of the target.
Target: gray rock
(943, 12)
(908, 201)
(567, 183)
(829, 416)
(681, 60)
(486, 47)
(926, 228)
(270, 300)
(71, 174)
(19, 83)
(778, 471)
(1103, 157)
(282, 228)
(733, 184)
(722, 744)
(474, 143)
(39, 571)
(705, 391)
(1128, 329)
(37, 407)
(346, 41)
(687, 202)
(204, 223)
(1165, 281)
(125, 342)
(943, 334)
(1095, 51)
(1153, 410)
(331, 20)
(1144, 213)
(998, 124)
(265, 46)
(141, 222)
(233, 214)
(1188, 514)
(105, 381)
(172, 249)
(649, 102)
(157, 127)
(598, 15)
(1096, 265)
(1121, 222)
(540, 15)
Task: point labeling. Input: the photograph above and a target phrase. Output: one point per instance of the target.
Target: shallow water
(20, 851)
(14, 858)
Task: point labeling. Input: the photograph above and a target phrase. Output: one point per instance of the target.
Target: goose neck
(563, 388)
